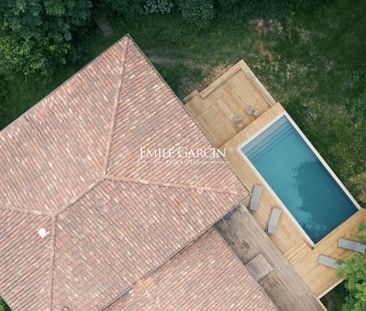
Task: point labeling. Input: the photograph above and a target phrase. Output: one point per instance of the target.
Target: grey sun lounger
(255, 198)
(329, 262)
(274, 219)
(352, 245)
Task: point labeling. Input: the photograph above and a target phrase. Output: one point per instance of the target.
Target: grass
(334, 299)
(313, 62)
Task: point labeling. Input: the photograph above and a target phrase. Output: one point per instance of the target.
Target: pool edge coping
(312, 148)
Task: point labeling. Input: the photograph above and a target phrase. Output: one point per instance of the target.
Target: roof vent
(43, 233)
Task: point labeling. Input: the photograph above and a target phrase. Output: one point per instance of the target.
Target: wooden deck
(283, 285)
(213, 110)
(235, 91)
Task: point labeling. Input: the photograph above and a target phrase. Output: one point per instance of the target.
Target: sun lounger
(352, 245)
(329, 262)
(255, 198)
(274, 220)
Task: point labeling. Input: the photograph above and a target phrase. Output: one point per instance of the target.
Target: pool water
(299, 179)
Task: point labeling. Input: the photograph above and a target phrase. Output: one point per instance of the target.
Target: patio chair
(352, 245)
(329, 262)
(255, 198)
(274, 219)
(252, 111)
(238, 121)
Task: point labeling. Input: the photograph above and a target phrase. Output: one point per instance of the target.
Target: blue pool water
(299, 179)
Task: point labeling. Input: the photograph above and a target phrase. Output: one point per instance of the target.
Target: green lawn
(313, 62)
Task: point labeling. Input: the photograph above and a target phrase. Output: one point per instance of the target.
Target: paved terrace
(214, 108)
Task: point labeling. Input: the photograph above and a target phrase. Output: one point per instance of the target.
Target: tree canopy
(354, 272)
(3, 305)
(35, 34)
(38, 36)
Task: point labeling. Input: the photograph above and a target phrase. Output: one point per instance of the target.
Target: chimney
(43, 233)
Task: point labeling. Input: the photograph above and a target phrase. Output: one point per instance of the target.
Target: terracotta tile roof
(57, 149)
(204, 276)
(116, 235)
(24, 260)
(147, 105)
(71, 165)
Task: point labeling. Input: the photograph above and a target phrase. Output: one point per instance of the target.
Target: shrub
(158, 6)
(197, 12)
(354, 273)
(230, 5)
(359, 184)
(36, 36)
(120, 7)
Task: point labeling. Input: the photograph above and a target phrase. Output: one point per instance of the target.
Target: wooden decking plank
(282, 285)
(233, 92)
(259, 267)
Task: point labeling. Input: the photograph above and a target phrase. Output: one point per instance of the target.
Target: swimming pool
(300, 178)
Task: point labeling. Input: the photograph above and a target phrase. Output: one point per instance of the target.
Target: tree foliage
(3, 305)
(36, 35)
(197, 12)
(158, 6)
(354, 272)
(359, 184)
(230, 5)
(120, 7)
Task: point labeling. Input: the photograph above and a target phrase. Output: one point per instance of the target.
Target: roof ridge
(79, 196)
(99, 170)
(115, 109)
(6, 128)
(192, 188)
(52, 261)
(26, 211)
(167, 184)
(156, 71)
